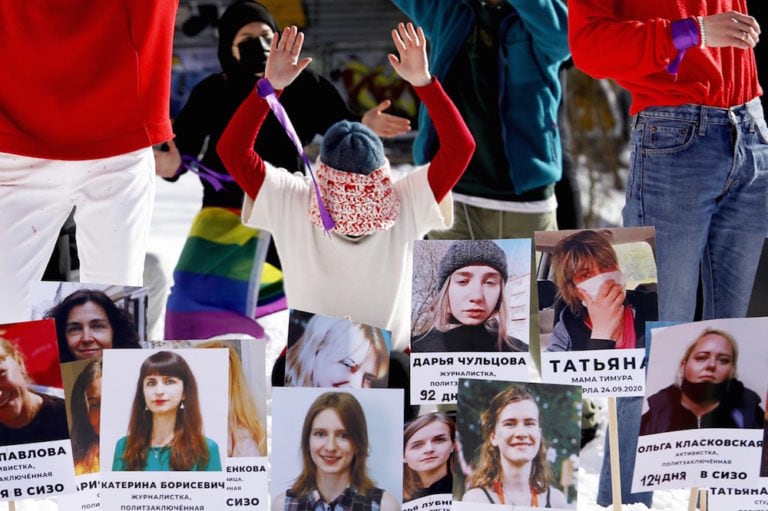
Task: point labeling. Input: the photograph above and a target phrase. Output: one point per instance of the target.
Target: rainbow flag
(222, 283)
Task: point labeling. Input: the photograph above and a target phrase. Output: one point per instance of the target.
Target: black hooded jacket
(311, 101)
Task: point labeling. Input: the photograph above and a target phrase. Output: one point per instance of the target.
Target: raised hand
(383, 124)
(606, 310)
(283, 64)
(731, 29)
(412, 65)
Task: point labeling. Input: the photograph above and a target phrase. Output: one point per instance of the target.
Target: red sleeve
(235, 146)
(456, 143)
(605, 46)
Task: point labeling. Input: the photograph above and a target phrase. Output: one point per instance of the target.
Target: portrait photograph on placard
(82, 388)
(470, 296)
(34, 435)
(324, 351)
(596, 288)
(247, 393)
(92, 317)
(706, 385)
(429, 446)
(517, 445)
(333, 447)
(164, 410)
(32, 406)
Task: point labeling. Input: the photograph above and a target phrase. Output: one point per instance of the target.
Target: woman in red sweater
(699, 161)
(84, 96)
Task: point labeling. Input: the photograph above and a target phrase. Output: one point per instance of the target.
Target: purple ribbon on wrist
(267, 92)
(685, 34)
(207, 174)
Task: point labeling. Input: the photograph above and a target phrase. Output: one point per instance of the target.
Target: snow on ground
(175, 206)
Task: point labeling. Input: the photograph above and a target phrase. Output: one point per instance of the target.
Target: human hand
(167, 162)
(385, 125)
(412, 65)
(605, 310)
(283, 64)
(731, 29)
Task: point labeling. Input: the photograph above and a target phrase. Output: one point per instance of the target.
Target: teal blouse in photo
(159, 458)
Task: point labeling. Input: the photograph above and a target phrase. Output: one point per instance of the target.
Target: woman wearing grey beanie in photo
(468, 311)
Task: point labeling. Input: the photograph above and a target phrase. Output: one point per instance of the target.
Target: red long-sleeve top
(235, 146)
(83, 79)
(631, 42)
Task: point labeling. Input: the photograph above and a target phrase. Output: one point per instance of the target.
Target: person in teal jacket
(499, 62)
(165, 431)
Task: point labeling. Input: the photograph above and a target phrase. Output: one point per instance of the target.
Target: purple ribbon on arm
(267, 92)
(685, 34)
(213, 178)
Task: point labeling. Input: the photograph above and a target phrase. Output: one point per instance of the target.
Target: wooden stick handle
(613, 435)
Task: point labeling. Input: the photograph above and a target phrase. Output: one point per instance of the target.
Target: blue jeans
(700, 176)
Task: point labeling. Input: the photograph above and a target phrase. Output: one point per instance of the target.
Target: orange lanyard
(498, 489)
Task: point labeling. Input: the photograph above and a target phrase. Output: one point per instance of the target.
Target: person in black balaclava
(213, 281)
(707, 393)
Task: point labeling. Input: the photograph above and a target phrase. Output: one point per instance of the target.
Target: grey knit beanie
(352, 147)
(472, 253)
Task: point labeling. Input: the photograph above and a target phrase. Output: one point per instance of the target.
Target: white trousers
(113, 199)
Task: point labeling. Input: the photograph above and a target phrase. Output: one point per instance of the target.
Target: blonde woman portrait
(338, 353)
(246, 435)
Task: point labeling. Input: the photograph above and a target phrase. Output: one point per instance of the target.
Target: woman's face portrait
(517, 434)
(710, 361)
(88, 330)
(473, 292)
(93, 401)
(163, 394)
(354, 368)
(330, 447)
(429, 448)
(12, 387)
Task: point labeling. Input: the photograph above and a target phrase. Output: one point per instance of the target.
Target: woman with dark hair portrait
(468, 311)
(340, 353)
(165, 431)
(513, 467)
(428, 445)
(26, 416)
(334, 451)
(599, 312)
(85, 409)
(88, 321)
(706, 393)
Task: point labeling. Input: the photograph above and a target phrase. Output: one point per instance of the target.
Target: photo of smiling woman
(87, 322)
(707, 393)
(510, 459)
(165, 429)
(29, 413)
(334, 352)
(428, 446)
(334, 452)
(466, 308)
